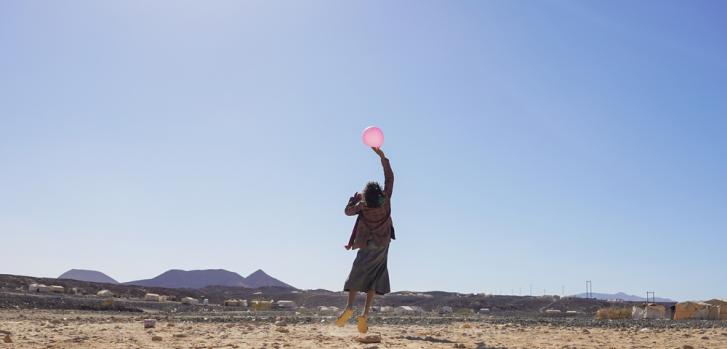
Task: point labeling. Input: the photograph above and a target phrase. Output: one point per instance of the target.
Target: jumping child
(371, 235)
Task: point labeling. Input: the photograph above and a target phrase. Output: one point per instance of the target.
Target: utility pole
(589, 289)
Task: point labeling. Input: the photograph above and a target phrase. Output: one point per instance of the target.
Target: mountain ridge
(87, 275)
(259, 278)
(178, 278)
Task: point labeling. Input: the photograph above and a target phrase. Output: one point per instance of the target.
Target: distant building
(105, 294)
(550, 296)
(409, 310)
(56, 289)
(286, 304)
(446, 310)
(696, 311)
(189, 301)
(324, 308)
(235, 303)
(153, 297)
(259, 304)
(386, 309)
(38, 288)
(720, 304)
(648, 311)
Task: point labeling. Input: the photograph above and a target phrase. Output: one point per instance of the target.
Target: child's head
(373, 195)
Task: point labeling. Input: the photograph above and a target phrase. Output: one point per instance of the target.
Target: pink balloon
(373, 136)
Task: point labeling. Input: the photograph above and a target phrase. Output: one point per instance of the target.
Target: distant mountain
(87, 275)
(260, 279)
(621, 296)
(193, 279)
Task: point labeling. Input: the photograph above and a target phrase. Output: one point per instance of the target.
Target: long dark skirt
(369, 271)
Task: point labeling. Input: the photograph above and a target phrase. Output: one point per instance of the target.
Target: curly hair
(373, 194)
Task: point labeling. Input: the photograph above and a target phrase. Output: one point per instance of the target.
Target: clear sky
(539, 143)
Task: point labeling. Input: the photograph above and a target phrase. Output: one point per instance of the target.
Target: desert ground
(88, 329)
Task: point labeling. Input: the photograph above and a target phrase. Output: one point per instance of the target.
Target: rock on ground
(369, 338)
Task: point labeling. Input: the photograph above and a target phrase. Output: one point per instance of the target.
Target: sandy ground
(48, 329)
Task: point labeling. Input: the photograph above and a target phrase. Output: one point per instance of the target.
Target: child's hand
(379, 152)
(355, 198)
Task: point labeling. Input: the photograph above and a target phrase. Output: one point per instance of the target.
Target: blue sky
(539, 143)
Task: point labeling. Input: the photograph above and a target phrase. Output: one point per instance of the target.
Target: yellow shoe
(343, 319)
(363, 324)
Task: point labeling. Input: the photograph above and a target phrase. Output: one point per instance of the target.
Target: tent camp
(696, 311)
(721, 304)
(286, 304)
(408, 309)
(105, 294)
(614, 313)
(189, 301)
(38, 288)
(648, 311)
(152, 297)
(386, 309)
(235, 303)
(324, 308)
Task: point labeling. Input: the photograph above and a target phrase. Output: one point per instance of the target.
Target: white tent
(648, 311)
(324, 308)
(190, 301)
(152, 297)
(409, 309)
(105, 294)
(286, 304)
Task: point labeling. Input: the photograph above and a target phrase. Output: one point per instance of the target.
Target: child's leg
(363, 324)
(351, 299)
(369, 302)
(348, 312)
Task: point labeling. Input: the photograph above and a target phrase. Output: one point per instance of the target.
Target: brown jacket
(374, 223)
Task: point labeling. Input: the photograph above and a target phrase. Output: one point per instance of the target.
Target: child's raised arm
(388, 173)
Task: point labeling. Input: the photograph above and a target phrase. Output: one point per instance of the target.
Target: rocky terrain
(81, 319)
(15, 295)
(85, 329)
(80, 295)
